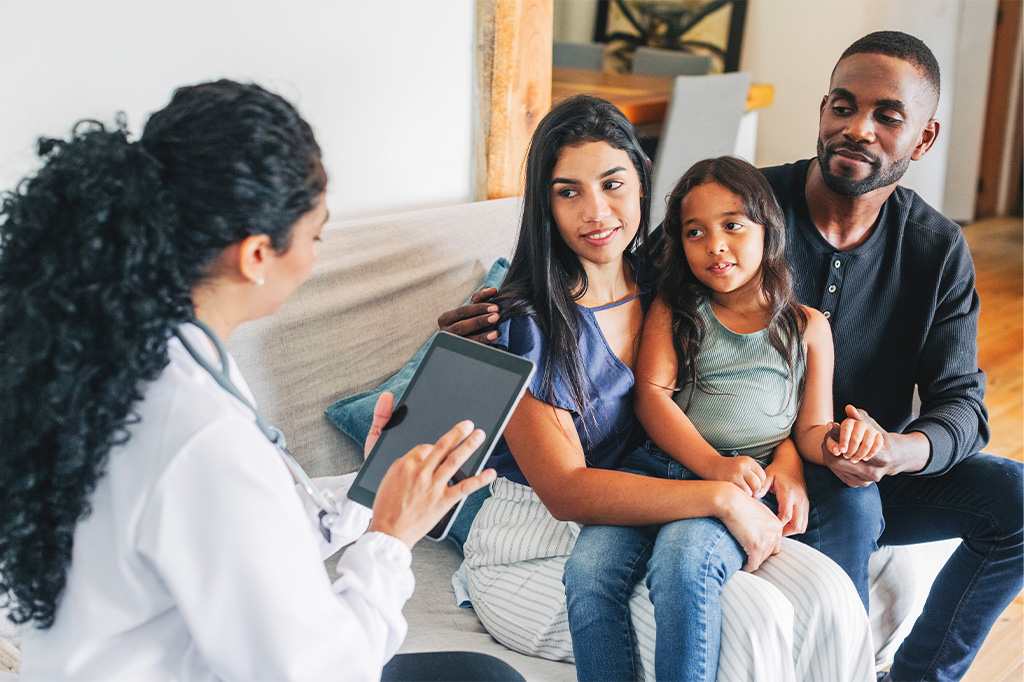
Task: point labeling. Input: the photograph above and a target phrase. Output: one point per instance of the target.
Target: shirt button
(837, 263)
(827, 314)
(832, 289)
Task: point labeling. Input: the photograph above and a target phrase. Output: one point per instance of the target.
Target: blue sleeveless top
(612, 430)
(753, 400)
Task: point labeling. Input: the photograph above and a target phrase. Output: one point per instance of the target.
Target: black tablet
(457, 379)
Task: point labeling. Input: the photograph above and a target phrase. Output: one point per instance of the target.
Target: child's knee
(695, 551)
(580, 570)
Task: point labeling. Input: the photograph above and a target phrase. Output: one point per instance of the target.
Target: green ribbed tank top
(752, 402)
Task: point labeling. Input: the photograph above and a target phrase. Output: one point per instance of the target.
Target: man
(896, 281)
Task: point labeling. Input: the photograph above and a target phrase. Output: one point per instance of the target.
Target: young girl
(730, 368)
(574, 301)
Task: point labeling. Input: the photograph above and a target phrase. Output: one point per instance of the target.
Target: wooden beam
(514, 77)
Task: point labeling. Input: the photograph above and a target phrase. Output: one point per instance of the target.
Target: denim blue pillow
(353, 415)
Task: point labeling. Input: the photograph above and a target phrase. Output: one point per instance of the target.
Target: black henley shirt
(903, 310)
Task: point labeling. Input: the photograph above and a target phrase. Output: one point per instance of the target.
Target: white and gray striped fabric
(797, 618)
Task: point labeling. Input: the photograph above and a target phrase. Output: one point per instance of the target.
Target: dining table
(643, 99)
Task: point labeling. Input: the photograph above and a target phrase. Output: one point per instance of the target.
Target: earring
(259, 282)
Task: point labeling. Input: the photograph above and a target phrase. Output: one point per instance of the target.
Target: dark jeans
(980, 500)
(454, 666)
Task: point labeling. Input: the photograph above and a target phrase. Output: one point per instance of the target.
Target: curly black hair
(100, 251)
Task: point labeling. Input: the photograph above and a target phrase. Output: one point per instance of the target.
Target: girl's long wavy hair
(100, 251)
(545, 277)
(682, 292)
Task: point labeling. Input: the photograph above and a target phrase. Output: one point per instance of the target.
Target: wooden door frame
(514, 80)
(1000, 152)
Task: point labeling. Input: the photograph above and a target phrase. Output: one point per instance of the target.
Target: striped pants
(797, 617)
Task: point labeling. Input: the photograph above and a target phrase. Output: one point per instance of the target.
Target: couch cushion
(436, 624)
(372, 300)
(354, 414)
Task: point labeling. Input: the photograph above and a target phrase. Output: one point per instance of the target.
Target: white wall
(386, 84)
(967, 119)
(793, 44)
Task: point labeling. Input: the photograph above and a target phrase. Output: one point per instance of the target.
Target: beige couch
(371, 302)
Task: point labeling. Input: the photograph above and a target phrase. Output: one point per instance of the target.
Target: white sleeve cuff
(387, 548)
(377, 558)
(378, 568)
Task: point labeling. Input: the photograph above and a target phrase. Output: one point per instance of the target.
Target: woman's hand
(381, 415)
(414, 494)
(469, 319)
(743, 472)
(754, 527)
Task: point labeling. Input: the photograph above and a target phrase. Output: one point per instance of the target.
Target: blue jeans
(687, 562)
(832, 506)
(979, 500)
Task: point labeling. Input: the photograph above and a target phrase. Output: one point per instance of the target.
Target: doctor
(149, 528)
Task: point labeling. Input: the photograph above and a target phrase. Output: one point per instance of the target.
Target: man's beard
(848, 187)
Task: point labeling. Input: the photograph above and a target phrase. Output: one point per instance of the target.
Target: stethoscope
(322, 499)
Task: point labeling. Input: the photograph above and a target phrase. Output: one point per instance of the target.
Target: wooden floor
(996, 245)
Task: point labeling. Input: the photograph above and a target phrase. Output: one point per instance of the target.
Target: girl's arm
(814, 419)
(666, 424)
(786, 480)
(544, 441)
(813, 430)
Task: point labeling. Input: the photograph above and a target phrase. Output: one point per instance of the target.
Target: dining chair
(578, 55)
(702, 121)
(655, 61)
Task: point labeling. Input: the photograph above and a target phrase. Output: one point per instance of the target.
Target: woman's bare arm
(544, 441)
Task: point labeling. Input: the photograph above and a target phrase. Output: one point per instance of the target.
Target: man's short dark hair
(902, 46)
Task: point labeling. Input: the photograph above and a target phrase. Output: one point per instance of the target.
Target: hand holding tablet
(414, 493)
(458, 380)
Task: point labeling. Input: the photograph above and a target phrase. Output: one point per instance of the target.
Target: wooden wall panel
(997, 123)
(514, 77)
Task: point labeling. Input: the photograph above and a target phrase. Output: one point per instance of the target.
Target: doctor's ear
(254, 253)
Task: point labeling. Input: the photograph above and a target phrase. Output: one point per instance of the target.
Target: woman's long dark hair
(99, 253)
(546, 278)
(682, 291)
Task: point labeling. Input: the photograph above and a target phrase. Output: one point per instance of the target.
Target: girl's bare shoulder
(817, 325)
(813, 314)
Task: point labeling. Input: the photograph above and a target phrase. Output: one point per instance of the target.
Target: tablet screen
(457, 380)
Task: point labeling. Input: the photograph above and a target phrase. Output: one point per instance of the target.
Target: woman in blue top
(574, 302)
